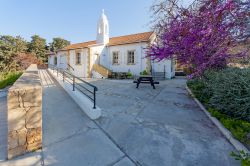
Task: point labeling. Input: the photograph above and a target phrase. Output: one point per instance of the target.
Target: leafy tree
(21, 45)
(6, 57)
(8, 41)
(17, 44)
(200, 36)
(37, 46)
(58, 43)
(7, 53)
(14, 53)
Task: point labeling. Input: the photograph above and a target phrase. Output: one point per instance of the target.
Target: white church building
(100, 57)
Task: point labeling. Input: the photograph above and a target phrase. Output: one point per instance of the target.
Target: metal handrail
(75, 85)
(69, 66)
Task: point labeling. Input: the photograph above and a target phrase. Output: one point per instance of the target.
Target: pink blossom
(200, 39)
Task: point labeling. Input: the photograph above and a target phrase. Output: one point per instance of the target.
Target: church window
(131, 57)
(115, 57)
(78, 58)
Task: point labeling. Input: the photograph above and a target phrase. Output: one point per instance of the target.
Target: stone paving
(138, 127)
(160, 127)
(70, 137)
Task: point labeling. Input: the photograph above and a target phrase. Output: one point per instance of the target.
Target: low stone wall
(25, 114)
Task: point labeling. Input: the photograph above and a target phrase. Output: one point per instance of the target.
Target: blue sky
(74, 20)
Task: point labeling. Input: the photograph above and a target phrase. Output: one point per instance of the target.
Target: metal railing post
(63, 76)
(73, 78)
(94, 98)
(73, 83)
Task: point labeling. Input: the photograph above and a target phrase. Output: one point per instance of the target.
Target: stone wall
(25, 114)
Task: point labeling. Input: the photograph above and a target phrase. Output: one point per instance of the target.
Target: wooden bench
(145, 80)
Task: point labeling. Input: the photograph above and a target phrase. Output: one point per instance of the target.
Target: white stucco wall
(62, 60)
(140, 60)
(98, 51)
(106, 57)
(80, 70)
(167, 64)
(51, 60)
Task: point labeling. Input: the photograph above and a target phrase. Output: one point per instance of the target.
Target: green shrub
(144, 72)
(199, 89)
(226, 95)
(231, 92)
(7, 79)
(129, 74)
(228, 91)
(200, 86)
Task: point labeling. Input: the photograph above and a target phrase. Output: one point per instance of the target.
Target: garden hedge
(227, 91)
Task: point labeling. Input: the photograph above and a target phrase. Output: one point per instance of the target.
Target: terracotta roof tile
(79, 45)
(134, 38)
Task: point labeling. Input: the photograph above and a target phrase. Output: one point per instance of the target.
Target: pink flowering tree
(200, 36)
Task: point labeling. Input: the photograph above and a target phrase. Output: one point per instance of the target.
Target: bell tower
(102, 30)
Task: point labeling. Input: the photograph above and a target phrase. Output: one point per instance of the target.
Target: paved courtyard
(142, 126)
(160, 127)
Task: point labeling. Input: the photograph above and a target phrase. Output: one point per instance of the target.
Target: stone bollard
(25, 114)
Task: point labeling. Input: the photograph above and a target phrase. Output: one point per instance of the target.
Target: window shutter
(111, 58)
(136, 56)
(119, 57)
(125, 57)
(82, 58)
(75, 58)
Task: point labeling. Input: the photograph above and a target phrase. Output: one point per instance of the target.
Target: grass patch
(243, 157)
(7, 79)
(239, 128)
